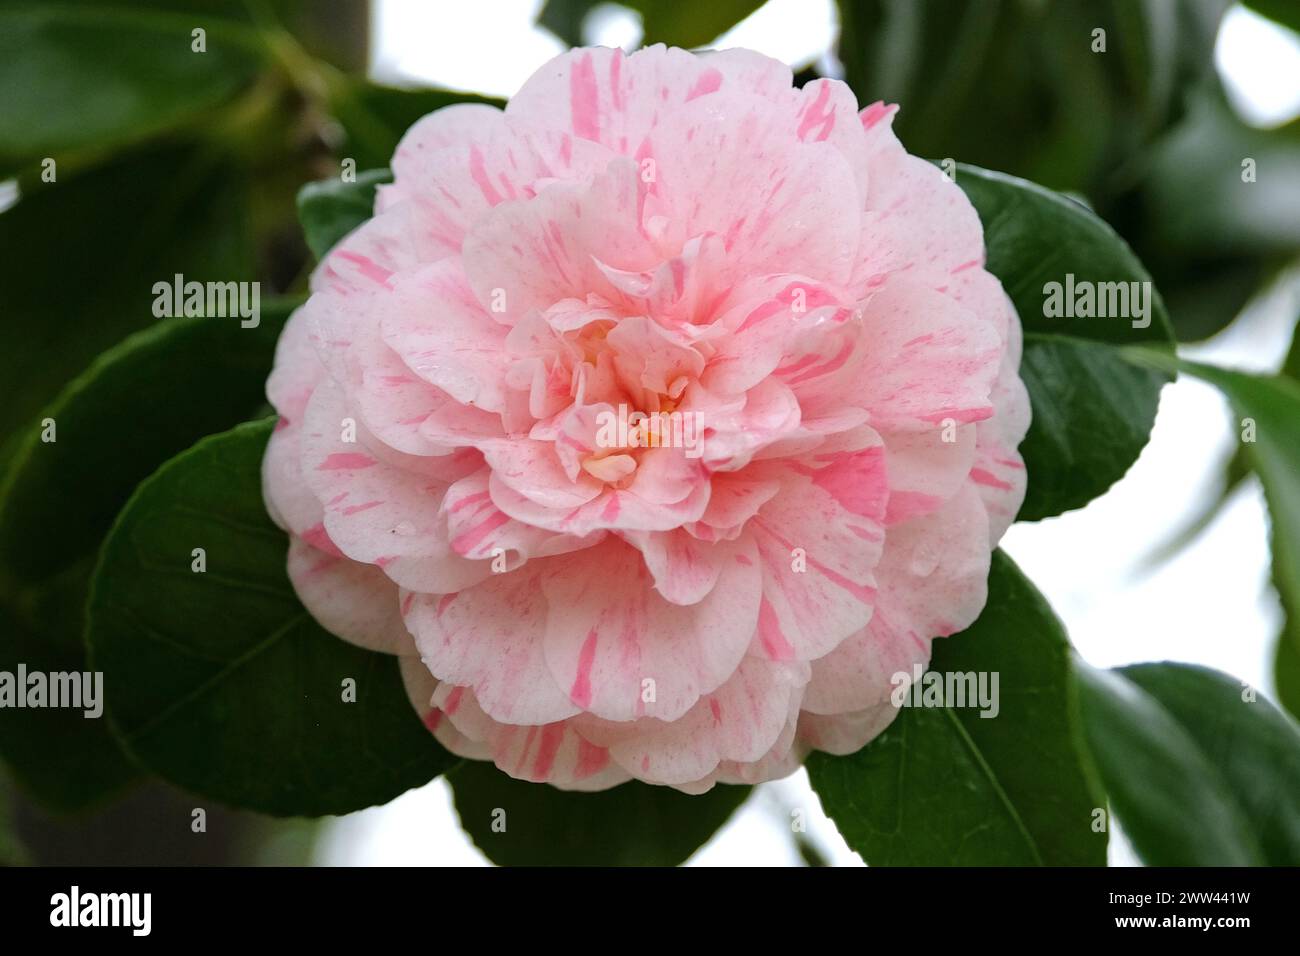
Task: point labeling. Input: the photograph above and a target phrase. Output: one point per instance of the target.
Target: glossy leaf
(1199, 771)
(944, 786)
(1267, 412)
(220, 681)
(331, 208)
(634, 824)
(63, 759)
(82, 256)
(1092, 410)
(140, 403)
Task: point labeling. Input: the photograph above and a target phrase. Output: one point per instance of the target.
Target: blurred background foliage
(166, 161)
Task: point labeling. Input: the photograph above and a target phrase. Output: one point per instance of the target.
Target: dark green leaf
(331, 208)
(685, 25)
(82, 256)
(634, 824)
(375, 117)
(1268, 412)
(64, 759)
(186, 379)
(140, 403)
(945, 786)
(12, 851)
(82, 77)
(1285, 12)
(1018, 86)
(220, 681)
(1286, 672)
(1092, 411)
(1199, 772)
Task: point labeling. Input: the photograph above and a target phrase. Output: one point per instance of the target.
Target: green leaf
(1283, 12)
(82, 256)
(1018, 87)
(685, 25)
(1286, 672)
(944, 786)
(374, 117)
(1092, 410)
(140, 403)
(1272, 406)
(634, 824)
(221, 682)
(186, 379)
(83, 77)
(12, 851)
(64, 759)
(1198, 772)
(331, 208)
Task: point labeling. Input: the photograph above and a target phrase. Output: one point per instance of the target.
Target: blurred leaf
(808, 851)
(79, 77)
(633, 824)
(82, 256)
(564, 18)
(335, 30)
(945, 786)
(375, 117)
(221, 682)
(690, 25)
(686, 25)
(64, 759)
(12, 851)
(185, 378)
(331, 208)
(1003, 84)
(1092, 411)
(1216, 213)
(1286, 671)
(1143, 129)
(1272, 403)
(1285, 12)
(1202, 197)
(1197, 775)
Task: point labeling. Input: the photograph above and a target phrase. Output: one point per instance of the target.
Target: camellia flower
(656, 421)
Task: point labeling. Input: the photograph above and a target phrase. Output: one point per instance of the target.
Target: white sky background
(1212, 604)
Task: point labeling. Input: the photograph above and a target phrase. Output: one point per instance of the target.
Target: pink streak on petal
(580, 693)
(774, 641)
(319, 538)
(710, 81)
(583, 103)
(480, 177)
(591, 759)
(552, 737)
(467, 542)
(982, 477)
(350, 460)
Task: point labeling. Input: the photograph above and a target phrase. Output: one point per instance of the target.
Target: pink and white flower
(669, 232)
